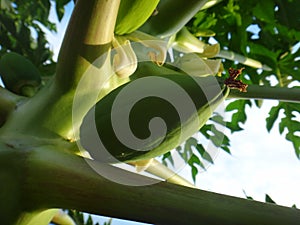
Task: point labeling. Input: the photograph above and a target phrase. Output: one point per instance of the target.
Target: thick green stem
(53, 178)
(8, 102)
(88, 37)
(263, 92)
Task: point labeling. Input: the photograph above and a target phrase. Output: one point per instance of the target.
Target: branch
(52, 178)
(263, 92)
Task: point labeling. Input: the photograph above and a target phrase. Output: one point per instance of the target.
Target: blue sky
(260, 163)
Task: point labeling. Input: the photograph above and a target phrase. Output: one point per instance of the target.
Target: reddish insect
(232, 81)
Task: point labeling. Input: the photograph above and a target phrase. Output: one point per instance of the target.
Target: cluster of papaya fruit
(20, 76)
(203, 90)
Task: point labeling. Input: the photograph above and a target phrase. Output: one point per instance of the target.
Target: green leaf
(60, 11)
(296, 142)
(218, 138)
(288, 13)
(269, 199)
(21, 31)
(290, 124)
(273, 115)
(247, 196)
(204, 154)
(78, 218)
(89, 220)
(194, 173)
(188, 150)
(195, 160)
(268, 56)
(239, 115)
(167, 157)
(217, 118)
(264, 10)
(226, 149)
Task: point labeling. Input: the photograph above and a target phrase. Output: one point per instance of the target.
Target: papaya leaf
(239, 114)
(167, 157)
(205, 155)
(269, 199)
(78, 218)
(195, 160)
(247, 196)
(288, 13)
(21, 31)
(265, 11)
(288, 123)
(188, 148)
(193, 151)
(219, 120)
(59, 7)
(273, 115)
(203, 21)
(289, 66)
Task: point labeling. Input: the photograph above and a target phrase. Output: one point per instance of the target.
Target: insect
(232, 81)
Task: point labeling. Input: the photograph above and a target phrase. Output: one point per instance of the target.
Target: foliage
(264, 30)
(78, 218)
(22, 31)
(268, 199)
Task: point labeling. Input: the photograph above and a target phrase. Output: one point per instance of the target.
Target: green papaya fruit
(172, 16)
(150, 116)
(18, 74)
(133, 14)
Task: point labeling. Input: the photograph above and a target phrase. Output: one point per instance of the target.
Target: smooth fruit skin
(17, 72)
(171, 17)
(180, 119)
(133, 14)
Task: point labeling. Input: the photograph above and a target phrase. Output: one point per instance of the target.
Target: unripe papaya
(172, 16)
(133, 14)
(150, 116)
(18, 74)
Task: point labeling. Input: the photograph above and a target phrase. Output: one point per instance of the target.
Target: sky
(260, 162)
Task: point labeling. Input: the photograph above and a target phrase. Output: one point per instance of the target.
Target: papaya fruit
(132, 14)
(18, 74)
(172, 16)
(150, 116)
